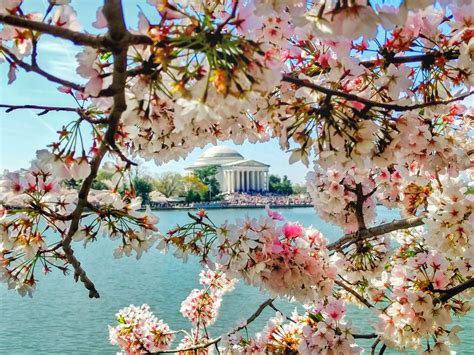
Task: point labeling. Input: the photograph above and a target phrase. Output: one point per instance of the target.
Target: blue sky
(22, 132)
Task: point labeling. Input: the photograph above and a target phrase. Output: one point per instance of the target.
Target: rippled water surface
(61, 319)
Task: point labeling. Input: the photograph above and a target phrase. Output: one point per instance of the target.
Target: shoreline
(219, 207)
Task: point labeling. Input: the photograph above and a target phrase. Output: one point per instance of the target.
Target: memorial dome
(218, 155)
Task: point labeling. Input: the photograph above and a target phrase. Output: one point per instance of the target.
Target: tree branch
(359, 207)
(450, 293)
(367, 102)
(254, 316)
(374, 346)
(36, 69)
(78, 38)
(349, 239)
(354, 293)
(423, 58)
(117, 32)
(365, 336)
(426, 59)
(46, 109)
(231, 16)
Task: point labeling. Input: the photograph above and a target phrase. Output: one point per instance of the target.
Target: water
(61, 319)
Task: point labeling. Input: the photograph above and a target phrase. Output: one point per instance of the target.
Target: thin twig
(374, 346)
(365, 336)
(121, 154)
(426, 59)
(254, 316)
(45, 109)
(354, 293)
(79, 38)
(231, 16)
(423, 58)
(36, 69)
(53, 249)
(272, 306)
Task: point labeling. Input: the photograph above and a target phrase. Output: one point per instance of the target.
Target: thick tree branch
(349, 239)
(36, 69)
(117, 32)
(367, 102)
(450, 293)
(254, 316)
(79, 38)
(359, 207)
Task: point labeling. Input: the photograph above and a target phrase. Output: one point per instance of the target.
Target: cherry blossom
(140, 331)
(374, 99)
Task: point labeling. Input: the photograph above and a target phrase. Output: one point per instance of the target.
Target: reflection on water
(60, 318)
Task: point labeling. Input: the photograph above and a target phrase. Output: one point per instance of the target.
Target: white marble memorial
(235, 173)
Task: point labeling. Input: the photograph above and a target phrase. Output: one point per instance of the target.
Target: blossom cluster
(450, 219)
(140, 331)
(414, 311)
(202, 305)
(363, 260)
(36, 213)
(340, 197)
(286, 260)
(322, 329)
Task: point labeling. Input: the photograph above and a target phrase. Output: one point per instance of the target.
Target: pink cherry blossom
(292, 230)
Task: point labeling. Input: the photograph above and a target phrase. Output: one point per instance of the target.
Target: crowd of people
(241, 200)
(245, 199)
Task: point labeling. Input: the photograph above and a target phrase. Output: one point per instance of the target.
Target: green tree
(299, 189)
(72, 183)
(280, 186)
(143, 186)
(274, 183)
(285, 186)
(193, 196)
(169, 184)
(208, 177)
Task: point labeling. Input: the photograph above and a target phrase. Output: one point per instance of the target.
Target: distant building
(235, 173)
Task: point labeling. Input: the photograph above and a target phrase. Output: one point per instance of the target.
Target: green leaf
(315, 317)
(409, 253)
(105, 56)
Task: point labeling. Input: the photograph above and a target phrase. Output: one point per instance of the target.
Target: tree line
(200, 186)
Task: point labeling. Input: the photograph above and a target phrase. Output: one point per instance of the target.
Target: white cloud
(58, 57)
